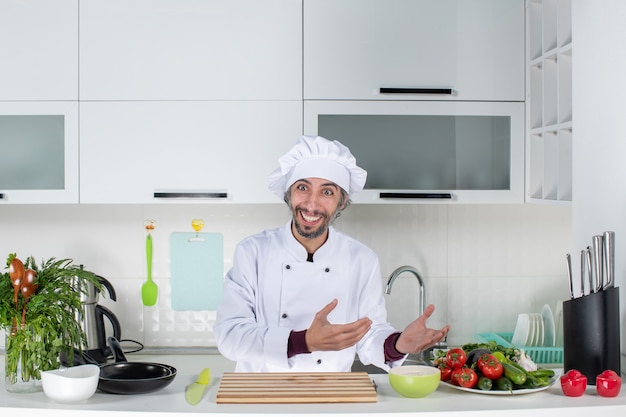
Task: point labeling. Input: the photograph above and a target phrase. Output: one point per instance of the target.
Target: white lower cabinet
(161, 152)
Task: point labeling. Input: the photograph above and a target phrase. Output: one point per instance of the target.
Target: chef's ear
(344, 201)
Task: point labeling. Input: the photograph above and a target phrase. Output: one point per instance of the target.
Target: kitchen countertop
(445, 401)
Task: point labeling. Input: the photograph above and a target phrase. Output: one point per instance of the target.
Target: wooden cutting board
(296, 387)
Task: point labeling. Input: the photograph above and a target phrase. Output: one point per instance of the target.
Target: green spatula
(149, 290)
(195, 391)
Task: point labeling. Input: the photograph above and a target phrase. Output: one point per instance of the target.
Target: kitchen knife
(583, 271)
(589, 269)
(597, 246)
(568, 258)
(195, 391)
(609, 259)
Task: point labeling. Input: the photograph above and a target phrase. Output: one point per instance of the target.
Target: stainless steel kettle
(93, 323)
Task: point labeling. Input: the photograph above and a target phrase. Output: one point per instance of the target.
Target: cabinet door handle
(403, 90)
(191, 194)
(2, 196)
(416, 195)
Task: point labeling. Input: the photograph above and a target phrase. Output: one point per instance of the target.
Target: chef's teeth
(309, 218)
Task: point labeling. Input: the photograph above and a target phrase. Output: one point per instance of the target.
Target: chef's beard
(307, 232)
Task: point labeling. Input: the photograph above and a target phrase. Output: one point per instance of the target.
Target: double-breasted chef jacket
(272, 289)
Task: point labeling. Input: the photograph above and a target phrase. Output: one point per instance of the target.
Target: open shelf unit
(549, 101)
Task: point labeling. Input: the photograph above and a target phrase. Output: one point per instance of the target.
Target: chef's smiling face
(314, 203)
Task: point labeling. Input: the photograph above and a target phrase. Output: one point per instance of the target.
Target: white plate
(514, 392)
(532, 336)
(558, 319)
(539, 332)
(549, 326)
(522, 330)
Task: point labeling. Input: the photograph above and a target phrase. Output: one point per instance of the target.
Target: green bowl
(414, 381)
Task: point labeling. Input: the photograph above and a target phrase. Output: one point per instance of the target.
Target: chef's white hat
(317, 157)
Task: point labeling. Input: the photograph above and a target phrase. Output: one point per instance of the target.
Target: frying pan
(123, 377)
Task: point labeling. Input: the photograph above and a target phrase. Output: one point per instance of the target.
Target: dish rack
(539, 354)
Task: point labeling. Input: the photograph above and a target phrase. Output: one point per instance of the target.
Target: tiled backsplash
(482, 264)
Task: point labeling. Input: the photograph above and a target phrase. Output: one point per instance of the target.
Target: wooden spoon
(16, 274)
(29, 287)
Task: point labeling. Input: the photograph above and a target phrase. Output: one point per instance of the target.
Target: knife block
(591, 333)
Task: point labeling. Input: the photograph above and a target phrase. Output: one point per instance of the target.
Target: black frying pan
(123, 377)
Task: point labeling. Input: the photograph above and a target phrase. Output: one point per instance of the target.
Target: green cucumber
(504, 384)
(542, 373)
(484, 383)
(515, 374)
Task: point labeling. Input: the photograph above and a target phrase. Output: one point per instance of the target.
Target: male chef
(305, 297)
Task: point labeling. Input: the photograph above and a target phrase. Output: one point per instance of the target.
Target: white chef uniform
(272, 290)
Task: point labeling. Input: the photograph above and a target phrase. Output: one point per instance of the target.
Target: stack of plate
(535, 329)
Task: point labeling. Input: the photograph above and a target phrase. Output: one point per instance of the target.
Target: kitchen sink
(357, 366)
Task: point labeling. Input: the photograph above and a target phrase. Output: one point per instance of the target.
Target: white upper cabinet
(180, 151)
(353, 48)
(191, 50)
(39, 50)
(39, 157)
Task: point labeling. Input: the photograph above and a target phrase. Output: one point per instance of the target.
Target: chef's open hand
(323, 335)
(416, 337)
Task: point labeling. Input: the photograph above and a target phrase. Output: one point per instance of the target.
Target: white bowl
(77, 383)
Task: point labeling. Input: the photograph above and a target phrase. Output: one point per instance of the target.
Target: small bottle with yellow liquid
(197, 225)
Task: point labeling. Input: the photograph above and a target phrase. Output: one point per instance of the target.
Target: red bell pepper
(608, 384)
(573, 383)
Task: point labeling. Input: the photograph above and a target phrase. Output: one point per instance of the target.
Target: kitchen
(460, 249)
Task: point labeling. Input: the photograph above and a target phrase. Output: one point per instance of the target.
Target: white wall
(599, 114)
(482, 264)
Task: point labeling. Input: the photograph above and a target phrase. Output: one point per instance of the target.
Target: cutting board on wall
(197, 269)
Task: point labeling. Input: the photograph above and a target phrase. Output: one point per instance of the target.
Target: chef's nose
(312, 201)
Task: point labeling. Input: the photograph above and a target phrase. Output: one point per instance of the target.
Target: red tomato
(573, 383)
(465, 377)
(446, 372)
(456, 358)
(489, 366)
(608, 384)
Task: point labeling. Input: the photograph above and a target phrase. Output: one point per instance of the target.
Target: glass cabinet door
(464, 151)
(39, 152)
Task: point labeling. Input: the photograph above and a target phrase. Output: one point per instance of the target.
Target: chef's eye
(301, 187)
(328, 192)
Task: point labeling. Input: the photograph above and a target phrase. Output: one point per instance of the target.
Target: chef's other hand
(416, 337)
(323, 335)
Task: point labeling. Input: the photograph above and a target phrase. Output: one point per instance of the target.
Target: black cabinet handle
(2, 196)
(416, 195)
(402, 90)
(191, 194)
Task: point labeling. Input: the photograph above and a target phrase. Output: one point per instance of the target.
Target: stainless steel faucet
(414, 271)
(425, 356)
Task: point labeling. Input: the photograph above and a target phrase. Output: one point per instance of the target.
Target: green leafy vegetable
(52, 321)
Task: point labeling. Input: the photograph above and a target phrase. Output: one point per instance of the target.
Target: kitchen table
(445, 401)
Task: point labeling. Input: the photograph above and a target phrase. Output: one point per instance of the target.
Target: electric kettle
(93, 321)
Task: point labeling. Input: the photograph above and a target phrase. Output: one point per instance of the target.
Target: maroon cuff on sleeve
(391, 353)
(296, 344)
